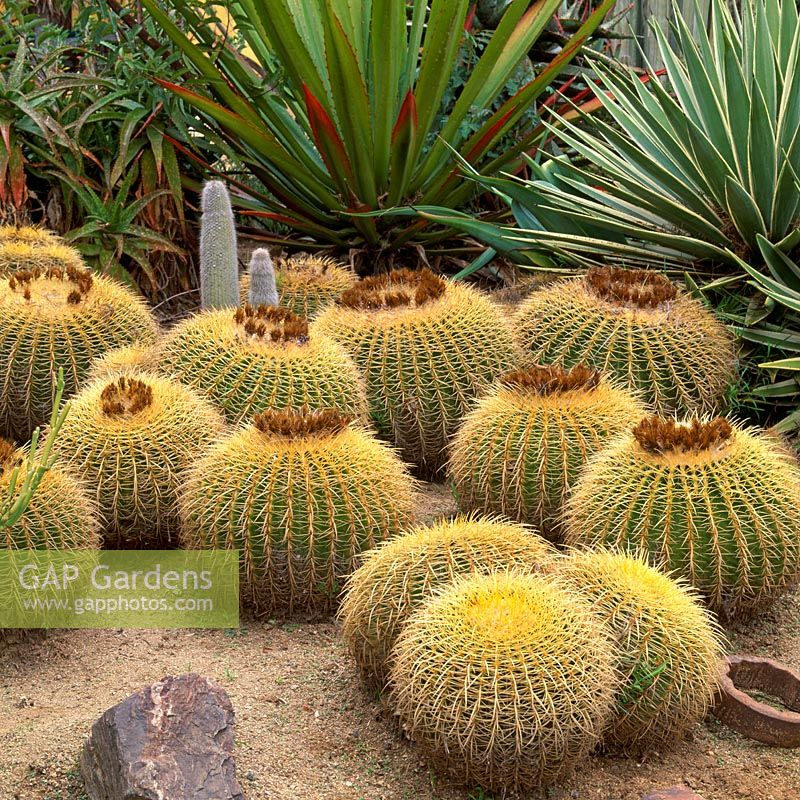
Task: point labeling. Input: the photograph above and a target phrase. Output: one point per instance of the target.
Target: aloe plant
(351, 129)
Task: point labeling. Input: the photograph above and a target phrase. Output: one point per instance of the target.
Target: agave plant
(353, 125)
(694, 169)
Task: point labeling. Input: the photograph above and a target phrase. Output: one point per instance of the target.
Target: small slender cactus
(262, 291)
(219, 274)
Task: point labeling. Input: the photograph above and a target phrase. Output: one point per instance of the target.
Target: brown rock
(170, 741)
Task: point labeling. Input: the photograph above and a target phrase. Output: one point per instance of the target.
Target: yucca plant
(694, 168)
(353, 127)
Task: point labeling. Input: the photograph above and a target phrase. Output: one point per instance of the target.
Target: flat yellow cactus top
(27, 233)
(313, 271)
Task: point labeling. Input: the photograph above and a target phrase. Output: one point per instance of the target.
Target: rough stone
(170, 741)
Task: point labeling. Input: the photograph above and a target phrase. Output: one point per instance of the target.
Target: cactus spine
(396, 578)
(713, 502)
(427, 349)
(59, 318)
(251, 360)
(667, 645)
(261, 290)
(524, 444)
(301, 494)
(219, 270)
(59, 515)
(636, 326)
(131, 437)
(21, 255)
(507, 680)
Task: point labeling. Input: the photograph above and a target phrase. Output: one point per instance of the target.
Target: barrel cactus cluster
(507, 662)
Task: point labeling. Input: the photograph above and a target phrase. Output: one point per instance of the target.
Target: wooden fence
(636, 23)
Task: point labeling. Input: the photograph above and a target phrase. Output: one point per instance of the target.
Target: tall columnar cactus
(668, 647)
(22, 255)
(301, 494)
(713, 502)
(398, 577)
(255, 359)
(58, 318)
(219, 264)
(427, 349)
(524, 444)
(306, 283)
(131, 438)
(507, 680)
(60, 514)
(638, 327)
(261, 289)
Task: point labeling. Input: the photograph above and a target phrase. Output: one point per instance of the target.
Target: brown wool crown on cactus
(269, 323)
(427, 348)
(637, 327)
(301, 493)
(713, 502)
(400, 288)
(125, 396)
(301, 423)
(523, 445)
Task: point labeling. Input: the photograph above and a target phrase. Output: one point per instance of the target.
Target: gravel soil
(307, 729)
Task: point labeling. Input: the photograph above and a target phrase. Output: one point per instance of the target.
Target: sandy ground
(307, 729)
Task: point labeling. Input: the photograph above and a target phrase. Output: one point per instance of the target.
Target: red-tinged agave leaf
(328, 142)
(407, 118)
(5, 130)
(470, 17)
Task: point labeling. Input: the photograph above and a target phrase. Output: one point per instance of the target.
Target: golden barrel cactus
(131, 438)
(668, 646)
(301, 494)
(306, 283)
(21, 255)
(519, 451)
(28, 234)
(396, 578)
(638, 327)
(254, 359)
(58, 318)
(711, 501)
(60, 514)
(123, 359)
(506, 680)
(427, 348)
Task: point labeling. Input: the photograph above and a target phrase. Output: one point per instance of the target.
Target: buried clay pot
(738, 710)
